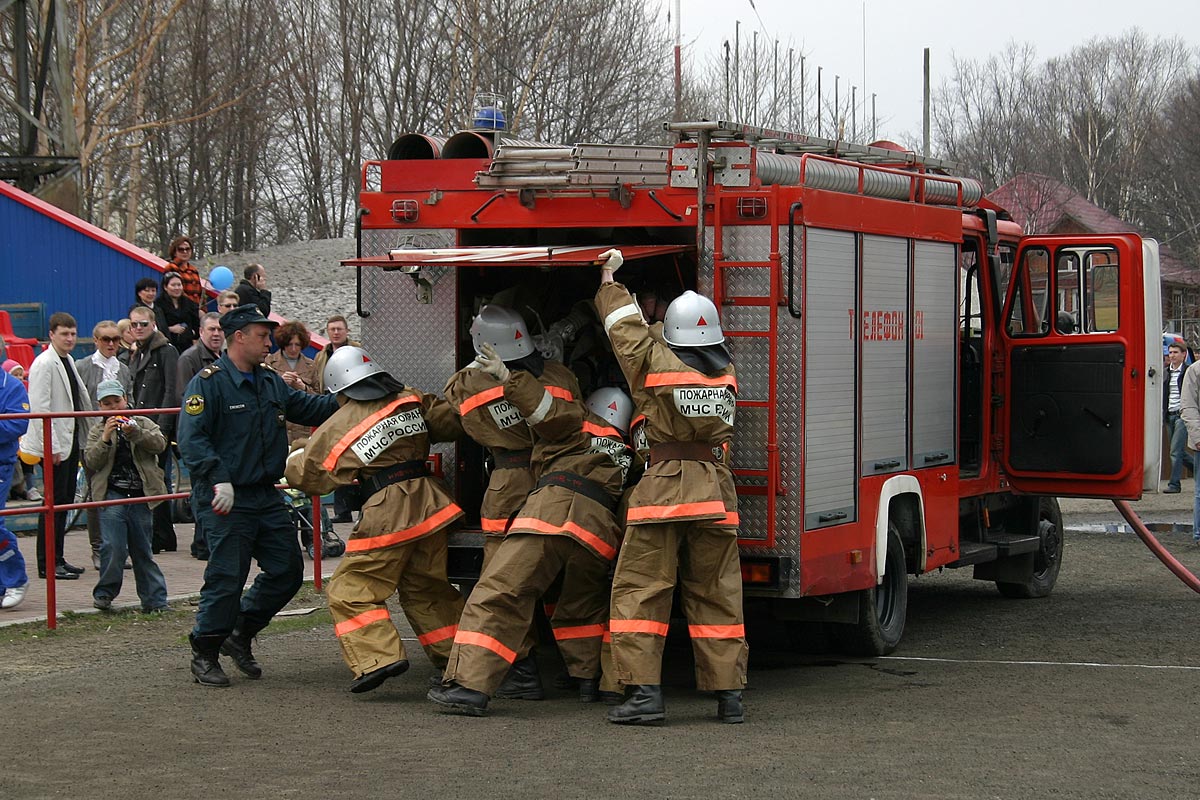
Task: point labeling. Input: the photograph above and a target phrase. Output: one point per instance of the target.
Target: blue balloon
(221, 278)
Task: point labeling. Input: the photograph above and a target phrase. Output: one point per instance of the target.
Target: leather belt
(511, 459)
(404, 471)
(686, 451)
(580, 485)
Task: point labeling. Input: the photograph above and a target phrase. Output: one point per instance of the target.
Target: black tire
(881, 610)
(1047, 561)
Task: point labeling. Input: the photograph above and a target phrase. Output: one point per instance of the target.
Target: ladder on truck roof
(790, 143)
(762, 275)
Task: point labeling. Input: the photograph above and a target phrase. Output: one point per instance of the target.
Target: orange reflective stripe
(561, 393)
(731, 518)
(689, 379)
(487, 643)
(430, 524)
(679, 510)
(607, 637)
(361, 621)
(481, 398)
(717, 631)
(358, 430)
(492, 525)
(638, 626)
(602, 430)
(440, 635)
(587, 537)
(578, 632)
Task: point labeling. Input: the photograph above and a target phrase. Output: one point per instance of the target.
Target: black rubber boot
(644, 706)
(523, 681)
(237, 647)
(589, 690)
(455, 699)
(729, 706)
(206, 664)
(375, 678)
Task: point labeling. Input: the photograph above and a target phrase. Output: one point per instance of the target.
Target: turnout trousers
(259, 527)
(705, 558)
(496, 620)
(358, 593)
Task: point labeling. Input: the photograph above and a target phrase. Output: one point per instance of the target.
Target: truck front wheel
(1047, 561)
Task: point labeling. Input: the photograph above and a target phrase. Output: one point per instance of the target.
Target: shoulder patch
(194, 404)
(208, 372)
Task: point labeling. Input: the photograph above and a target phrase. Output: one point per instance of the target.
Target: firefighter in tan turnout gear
(381, 435)
(682, 516)
(495, 423)
(568, 526)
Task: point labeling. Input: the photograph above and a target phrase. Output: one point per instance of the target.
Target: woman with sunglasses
(179, 254)
(177, 316)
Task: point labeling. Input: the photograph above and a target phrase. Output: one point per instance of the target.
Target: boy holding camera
(123, 457)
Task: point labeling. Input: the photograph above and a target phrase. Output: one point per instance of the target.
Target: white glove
(614, 262)
(490, 363)
(223, 498)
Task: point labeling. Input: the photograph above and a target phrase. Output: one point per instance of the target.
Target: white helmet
(347, 366)
(691, 321)
(613, 405)
(504, 330)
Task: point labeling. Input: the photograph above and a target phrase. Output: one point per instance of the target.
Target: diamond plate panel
(746, 318)
(749, 438)
(415, 341)
(752, 519)
(751, 359)
(704, 266)
(746, 242)
(746, 281)
(788, 430)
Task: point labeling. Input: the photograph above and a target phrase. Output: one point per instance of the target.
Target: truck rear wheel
(881, 610)
(1047, 561)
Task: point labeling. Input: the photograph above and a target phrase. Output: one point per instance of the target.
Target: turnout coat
(495, 422)
(364, 437)
(674, 403)
(571, 443)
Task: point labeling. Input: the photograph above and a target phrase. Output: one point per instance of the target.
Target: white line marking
(1039, 663)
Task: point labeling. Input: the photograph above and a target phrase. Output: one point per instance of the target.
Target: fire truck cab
(917, 380)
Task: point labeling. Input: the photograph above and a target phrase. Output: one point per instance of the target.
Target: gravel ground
(1091, 693)
(306, 280)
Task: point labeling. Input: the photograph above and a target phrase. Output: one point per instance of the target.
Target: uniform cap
(238, 318)
(109, 388)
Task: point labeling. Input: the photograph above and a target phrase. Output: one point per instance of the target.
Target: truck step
(974, 553)
(1011, 544)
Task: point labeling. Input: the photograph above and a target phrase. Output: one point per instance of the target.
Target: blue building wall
(51, 257)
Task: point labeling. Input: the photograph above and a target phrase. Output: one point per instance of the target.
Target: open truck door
(1080, 405)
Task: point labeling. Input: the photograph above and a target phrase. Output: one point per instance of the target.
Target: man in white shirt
(1176, 430)
(55, 387)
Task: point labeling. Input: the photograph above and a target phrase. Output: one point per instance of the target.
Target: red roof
(1041, 204)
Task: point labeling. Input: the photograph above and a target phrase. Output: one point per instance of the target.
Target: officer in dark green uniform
(233, 439)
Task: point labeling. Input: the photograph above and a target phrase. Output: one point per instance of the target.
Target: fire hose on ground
(1155, 546)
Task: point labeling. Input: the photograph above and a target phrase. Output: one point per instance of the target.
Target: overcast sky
(830, 34)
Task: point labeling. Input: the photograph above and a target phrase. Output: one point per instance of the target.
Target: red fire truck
(917, 380)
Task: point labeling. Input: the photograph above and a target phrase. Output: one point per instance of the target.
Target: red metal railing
(49, 509)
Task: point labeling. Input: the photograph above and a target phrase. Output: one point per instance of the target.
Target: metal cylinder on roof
(820, 174)
(416, 146)
(468, 144)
